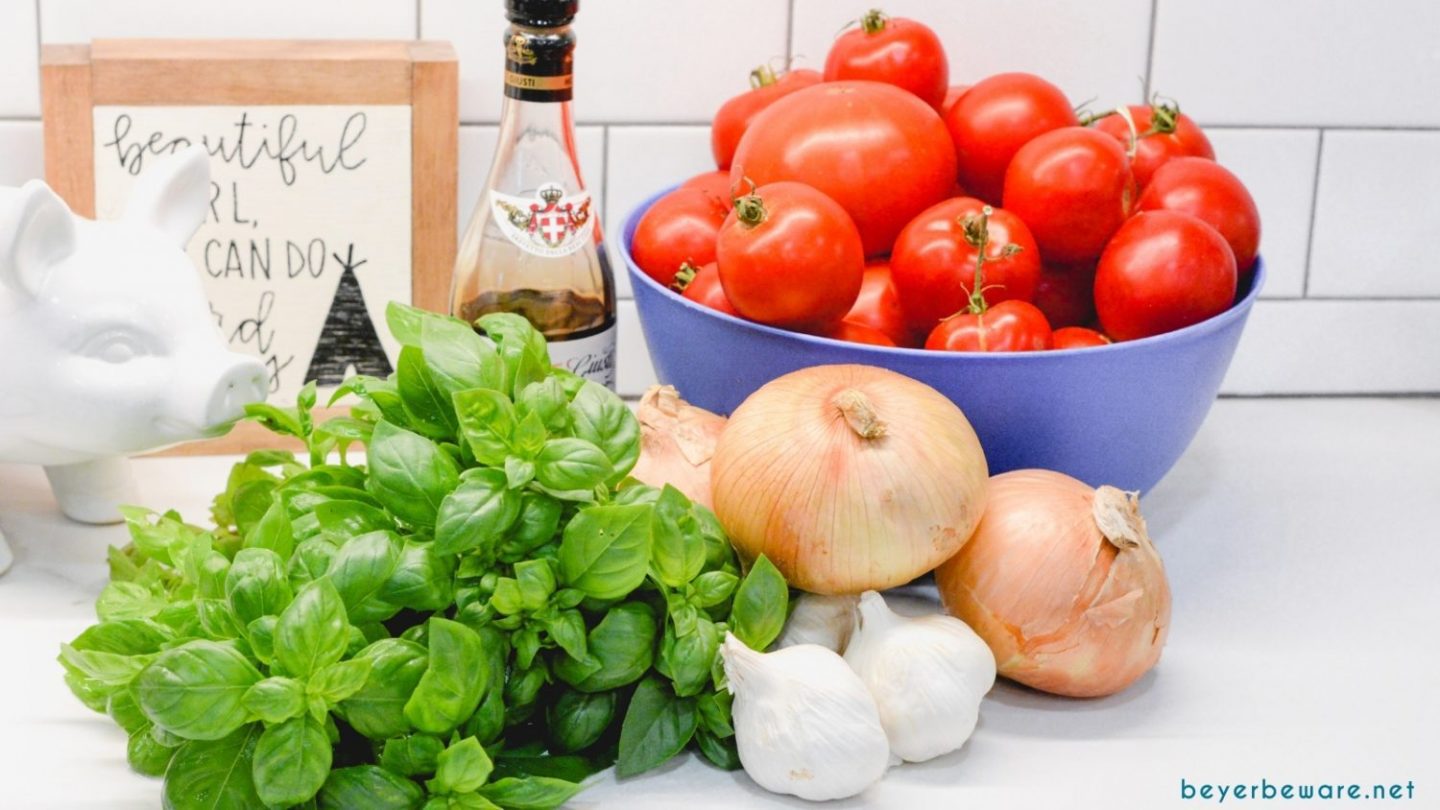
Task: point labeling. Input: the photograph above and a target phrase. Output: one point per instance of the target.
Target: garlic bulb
(804, 722)
(927, 673)
(816, 619)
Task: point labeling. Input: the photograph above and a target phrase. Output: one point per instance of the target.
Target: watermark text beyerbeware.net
(1265, 790)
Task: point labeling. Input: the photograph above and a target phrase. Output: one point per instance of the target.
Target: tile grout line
(1150, 52)
(418, 15)
(789, 33)
(1314, 206)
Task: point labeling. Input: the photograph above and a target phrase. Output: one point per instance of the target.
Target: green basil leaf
(480, 510)
(538, 521)
(428, 407)
(129, 600)
(530, 792)
(340, 681)
(310, 562)
(275, 700)
(569, 767)
(758, 614)
(603, 419)
(522, 692)
(292, 760)
(273, 532)
(455, 680)
(720, 751)
(125, 710)
(194, 691)
(526, 641)
(714, 587)
(312, 632)
(377, 709)
(411, 755)
(522, 347)
(657, 726)
(370, 787)
(622, 647)
(567, 630)
(518, 472)
(488, 721)
(360, 570)
(211, 774)
(423, 579)
(409, 474)
(547, 400)
(677, 550)
(459, 359)
(123, 637)
(606, 550)
(106, 668)
(577, 720)
(688, 658)
(261, 634)
(571, 464)
(487, 423)
(461, 768)
(146, 754)
(405, 322)
(256, 584)
(536, 582)
(342, 520)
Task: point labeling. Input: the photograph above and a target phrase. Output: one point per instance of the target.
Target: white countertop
(1302, 539)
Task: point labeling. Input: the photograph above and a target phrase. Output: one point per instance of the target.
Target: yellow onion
(677, 441)
(1064, 584)
(849, 478)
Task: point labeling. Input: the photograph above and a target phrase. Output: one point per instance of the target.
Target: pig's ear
(37, 233)
(173, 195)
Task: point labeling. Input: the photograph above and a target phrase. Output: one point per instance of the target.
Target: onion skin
(849, 478)
(1066, 607)
(677, 441)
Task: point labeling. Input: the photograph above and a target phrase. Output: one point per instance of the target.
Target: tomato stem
(1124, 112)
(977, 234)
(762, 76)
(684, 277)
(1164, 116)
(873, 22)
(749, 208)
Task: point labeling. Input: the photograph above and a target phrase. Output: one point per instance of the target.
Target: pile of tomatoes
(876, 203)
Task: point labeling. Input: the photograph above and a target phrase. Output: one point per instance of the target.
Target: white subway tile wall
(1328, 109)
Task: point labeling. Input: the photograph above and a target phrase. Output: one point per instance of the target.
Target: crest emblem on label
(548, 224)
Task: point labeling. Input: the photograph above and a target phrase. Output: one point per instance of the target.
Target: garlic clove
(804, 722)
(817, 619)
(928, 675)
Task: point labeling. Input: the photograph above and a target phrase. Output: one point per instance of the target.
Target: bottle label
(539, 64)
(550, 224)
(591, 357)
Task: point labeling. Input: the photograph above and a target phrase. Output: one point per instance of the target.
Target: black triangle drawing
(348, 338)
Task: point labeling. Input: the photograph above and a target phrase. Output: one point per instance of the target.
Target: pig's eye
(114, 347)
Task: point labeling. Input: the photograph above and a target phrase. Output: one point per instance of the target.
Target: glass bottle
(533, 244)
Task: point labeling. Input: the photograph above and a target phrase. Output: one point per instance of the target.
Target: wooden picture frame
(423, 75)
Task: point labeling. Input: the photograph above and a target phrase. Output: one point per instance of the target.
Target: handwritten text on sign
(308, 233)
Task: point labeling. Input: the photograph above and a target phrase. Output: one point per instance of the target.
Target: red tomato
(1207, 190)
(1066, 294)
(1078, 337)
(878, 305)
(735, 115)
(1009, 326)
(680, 227)
(702, 286)
(853, 332)
(1163, 271)
(951, 96)
(716, 184)
(893, 50)
(1164, 132)
(994, 118)
(933, 263)
(790, 256)
(880, 152)
(1073, 188)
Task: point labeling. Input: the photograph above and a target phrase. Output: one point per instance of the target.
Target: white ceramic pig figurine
(107, 343)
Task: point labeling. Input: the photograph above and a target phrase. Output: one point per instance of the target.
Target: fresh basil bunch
(483, 615)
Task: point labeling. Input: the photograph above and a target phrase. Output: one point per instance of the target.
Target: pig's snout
(242, 382)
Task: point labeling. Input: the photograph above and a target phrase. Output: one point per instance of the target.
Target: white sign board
(309, 229)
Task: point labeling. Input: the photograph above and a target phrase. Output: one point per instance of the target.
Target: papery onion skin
(1065, 607)
(677, 441)
(849, 478)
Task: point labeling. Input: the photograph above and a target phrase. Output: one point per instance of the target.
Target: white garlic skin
(927, 674)
(804, 722)
(817, 619)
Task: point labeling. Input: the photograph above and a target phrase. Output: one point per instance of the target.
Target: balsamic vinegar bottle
(533, 245)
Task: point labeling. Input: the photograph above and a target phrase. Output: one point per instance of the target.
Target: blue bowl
(1119, 414)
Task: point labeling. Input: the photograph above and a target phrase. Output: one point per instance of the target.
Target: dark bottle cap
(541, 13)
